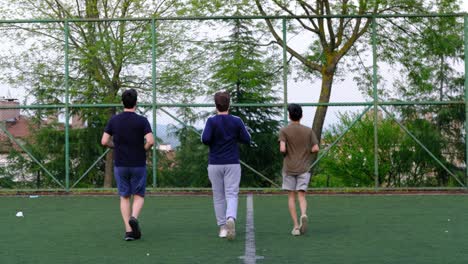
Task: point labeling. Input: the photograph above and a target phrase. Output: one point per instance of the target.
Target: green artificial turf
(90, 230)
(366, 229)
(182, 229)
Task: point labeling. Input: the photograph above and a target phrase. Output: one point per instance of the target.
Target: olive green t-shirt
(299, 140)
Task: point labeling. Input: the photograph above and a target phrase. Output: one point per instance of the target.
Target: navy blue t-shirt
(222, 133)
(128, 130)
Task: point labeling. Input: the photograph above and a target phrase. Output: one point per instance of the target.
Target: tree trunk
(109, 168)
(321, 112)
(325, 92)
(108, 173)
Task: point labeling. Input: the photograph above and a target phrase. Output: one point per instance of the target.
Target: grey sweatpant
(225, 181)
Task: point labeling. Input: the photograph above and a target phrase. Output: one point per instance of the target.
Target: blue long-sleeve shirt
(223, 133)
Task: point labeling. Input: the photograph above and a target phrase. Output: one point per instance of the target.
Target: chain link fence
(395, 117)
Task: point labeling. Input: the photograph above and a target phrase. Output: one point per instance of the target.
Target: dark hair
(222, 101)
(129, 98)
(295, 112)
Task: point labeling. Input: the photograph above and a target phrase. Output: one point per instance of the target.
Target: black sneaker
(133, 222)
(129, 236)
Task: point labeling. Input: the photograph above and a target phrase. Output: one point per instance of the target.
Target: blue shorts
(130, 180)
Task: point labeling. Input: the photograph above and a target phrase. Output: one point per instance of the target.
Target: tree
(427, 52)
(351, 162)
(334, 37)
(248, 74)
(432, 74)
(105, 57)
(188, 167)
(402, 162)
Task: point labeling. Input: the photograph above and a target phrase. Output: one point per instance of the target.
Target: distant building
(14, 123)
(165, 147)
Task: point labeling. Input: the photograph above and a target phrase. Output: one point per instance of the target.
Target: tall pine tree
(248, 74)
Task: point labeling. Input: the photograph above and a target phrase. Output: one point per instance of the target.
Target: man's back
(128, 130)
(222, 133)
(299, 140)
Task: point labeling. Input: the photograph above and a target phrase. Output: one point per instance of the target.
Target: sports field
(181, 229)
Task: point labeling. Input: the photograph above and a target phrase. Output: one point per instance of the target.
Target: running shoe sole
(303, 224)
(231, 229)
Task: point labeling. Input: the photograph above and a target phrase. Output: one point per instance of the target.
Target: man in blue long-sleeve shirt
(222, 134)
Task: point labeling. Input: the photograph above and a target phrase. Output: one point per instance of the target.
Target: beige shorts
(296, 183)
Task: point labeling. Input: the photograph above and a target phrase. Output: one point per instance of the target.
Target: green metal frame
(465, 36)
(376, 101)
(153, 83)
(376, 104)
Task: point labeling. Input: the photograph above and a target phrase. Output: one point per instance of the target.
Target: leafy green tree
(249, 75)
(105, 57)
(333, 39)
(402, 161)
(351, 162)
(52, 138)
(188, 167)
(429, 52)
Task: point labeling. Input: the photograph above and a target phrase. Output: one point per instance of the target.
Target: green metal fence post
(374, 82)
(67, 110)
(465, 21)
(285, 75)
(153, 83)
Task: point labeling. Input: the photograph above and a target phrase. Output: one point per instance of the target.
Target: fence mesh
(61, 82)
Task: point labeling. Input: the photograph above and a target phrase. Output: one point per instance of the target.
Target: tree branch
(330, 25)
(280, 41)
(292, 14)
(342, 24)
(316, 29)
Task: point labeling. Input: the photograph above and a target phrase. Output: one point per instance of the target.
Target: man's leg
(232, 177)
(303, 223)
(302, 202)
(137, 205)
(125, 210)
(123, 185)
(302, 184)
(231, 186)
(292, 207)
(138, 189)
(216, 176)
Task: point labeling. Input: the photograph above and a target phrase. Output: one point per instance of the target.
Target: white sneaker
(303, 224)
(296, 232)
(222, 232)
(231, 229)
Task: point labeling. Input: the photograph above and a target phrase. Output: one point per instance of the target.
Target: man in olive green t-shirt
(297, 142)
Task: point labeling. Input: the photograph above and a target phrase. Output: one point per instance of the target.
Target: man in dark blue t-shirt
(126, 133)
(222, 133)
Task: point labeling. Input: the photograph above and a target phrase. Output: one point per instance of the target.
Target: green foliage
(188, 167)
(104, 58)
(402, 161)
(244, 70)
(352, 160)
(47, 145)
(6, 180)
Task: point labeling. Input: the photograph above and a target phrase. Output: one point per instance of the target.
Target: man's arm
(244, 136)
(315, 148)
(206, 134)
(315, 142)
(106, 140)
(149, 141)
(282, 147)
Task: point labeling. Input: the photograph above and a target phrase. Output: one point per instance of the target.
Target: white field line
(250, 257)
